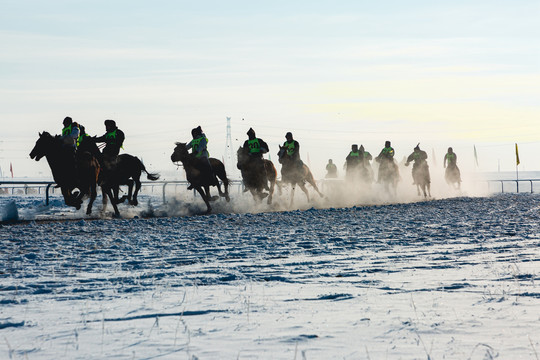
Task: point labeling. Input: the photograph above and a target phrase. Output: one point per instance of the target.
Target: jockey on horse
(255, 148)
(113, 139)
(292, 148)
(199, 150)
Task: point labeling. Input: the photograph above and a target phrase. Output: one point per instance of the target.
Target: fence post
(165, 184)
(47, 194)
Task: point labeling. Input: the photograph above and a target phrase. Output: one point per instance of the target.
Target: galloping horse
(453, 176)
(198, 175)
(70, 171)
(124, 170)
(255, 176)
(388, 174)
(422, 179)
(295, 175)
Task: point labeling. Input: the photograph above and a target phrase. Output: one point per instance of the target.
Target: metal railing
(47, 185)
(516, 181)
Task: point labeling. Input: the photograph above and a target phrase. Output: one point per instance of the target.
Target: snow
(455, 277)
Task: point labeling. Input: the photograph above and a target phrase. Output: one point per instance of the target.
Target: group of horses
(78, 175)
(259, 176)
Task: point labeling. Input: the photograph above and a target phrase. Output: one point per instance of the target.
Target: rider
(331, 170)
(366, 157)
(70, 133)
(385, 157)
(451, 157)
(352, 161)
(256, 147)
(199, 151)
(113, 139)
(419, 157)
(293, 149)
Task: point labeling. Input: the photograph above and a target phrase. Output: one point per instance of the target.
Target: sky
(464, 74)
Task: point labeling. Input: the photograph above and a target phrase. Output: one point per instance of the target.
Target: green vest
(388, 151)
(80, 138)
(195, 145)
(66, 131)
(451, 157)
(254, 146)
(111, 137)
(355, 154)
(290, 147)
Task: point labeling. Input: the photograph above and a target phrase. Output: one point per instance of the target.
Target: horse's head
(180, 152)
(241, 156)
(281, 153)
(42, 147)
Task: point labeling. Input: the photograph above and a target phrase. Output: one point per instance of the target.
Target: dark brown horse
(257, 174)
(70, 170)
(294, 174)
(124, 170)
(199, 175)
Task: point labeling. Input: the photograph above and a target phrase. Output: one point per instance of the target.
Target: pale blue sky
(439, 73)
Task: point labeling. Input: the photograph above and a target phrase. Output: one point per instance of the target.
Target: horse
(70, 170)
(388, 174)
(420, 174)
(295, 174)
(256, 174)
(452, 176)
(124, 170)
(199, 175)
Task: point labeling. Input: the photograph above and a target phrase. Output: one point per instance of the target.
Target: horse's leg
(271, 191)
(305, 190)
(204, 197)
(428, 185)
(312, 182)
(292, 195)
(103, 199)
(109, 193)
(93, 194)
(134, 200)
(115, 195)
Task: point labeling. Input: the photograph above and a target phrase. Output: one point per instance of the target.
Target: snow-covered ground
(451, 278)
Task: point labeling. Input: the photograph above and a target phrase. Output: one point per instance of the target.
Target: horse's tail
(149, 176)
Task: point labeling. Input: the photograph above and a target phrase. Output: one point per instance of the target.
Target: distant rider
(451, 158)
(293, 150)
(352, 162)
(420, 162)
(385, 159)
(331, 170)
(366, 157)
